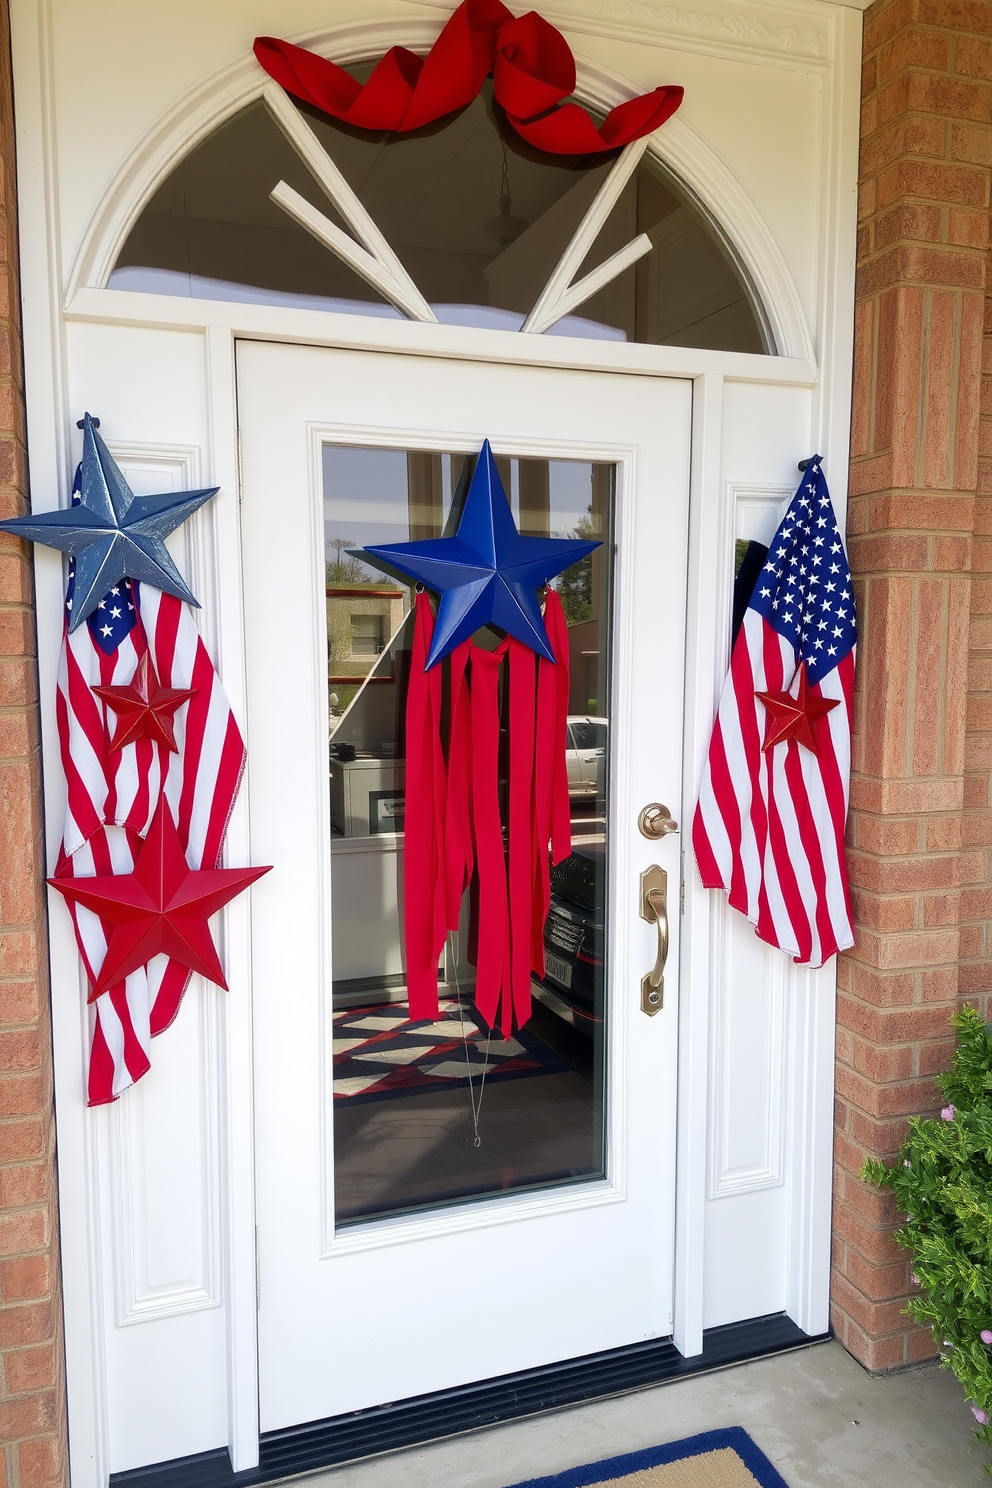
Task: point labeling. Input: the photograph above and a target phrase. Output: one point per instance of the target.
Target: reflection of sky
(571, 494)
(365, 495)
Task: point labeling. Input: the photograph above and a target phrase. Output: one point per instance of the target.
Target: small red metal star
(793, 717)
(162, 906)
(144, 707)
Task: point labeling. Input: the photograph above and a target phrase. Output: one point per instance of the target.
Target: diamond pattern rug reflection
(379, 1053)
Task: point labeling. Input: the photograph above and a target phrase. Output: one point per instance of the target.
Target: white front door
(405, 1245)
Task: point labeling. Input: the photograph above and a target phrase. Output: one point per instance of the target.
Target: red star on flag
(794, 717)
(145, 709)
(161, 907)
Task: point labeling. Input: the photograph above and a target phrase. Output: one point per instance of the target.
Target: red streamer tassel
(453, 820)
(459, 854)
(552, 825)
(423, 867)
(494, 948)
(533, 72)
(523, 738)
(561, 814)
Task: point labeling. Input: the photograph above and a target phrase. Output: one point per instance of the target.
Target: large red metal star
(162, 906)
(145, 709)
(794, 717)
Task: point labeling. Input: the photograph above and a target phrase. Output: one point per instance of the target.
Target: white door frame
(214, 569)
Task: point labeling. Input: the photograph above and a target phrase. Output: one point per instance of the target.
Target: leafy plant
(942, 1182)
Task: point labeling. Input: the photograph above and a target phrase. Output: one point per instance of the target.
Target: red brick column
(920, 823)
(975, 973)
(32, 1396)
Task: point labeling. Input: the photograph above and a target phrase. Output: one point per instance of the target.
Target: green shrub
(942, 1181)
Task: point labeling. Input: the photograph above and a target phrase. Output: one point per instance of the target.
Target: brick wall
(32, 1401)
(920, 532)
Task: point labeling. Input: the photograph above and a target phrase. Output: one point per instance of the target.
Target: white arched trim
(203, 109)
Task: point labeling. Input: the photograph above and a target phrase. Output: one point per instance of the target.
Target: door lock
(654, 909)
(656, 821)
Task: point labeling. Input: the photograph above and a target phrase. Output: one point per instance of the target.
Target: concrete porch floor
(820, 1418)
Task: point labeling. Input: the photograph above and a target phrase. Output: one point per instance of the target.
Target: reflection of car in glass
(585, 756)
(574, 939)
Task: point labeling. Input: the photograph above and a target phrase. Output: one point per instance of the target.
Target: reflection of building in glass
(361, 619)
(366, 635)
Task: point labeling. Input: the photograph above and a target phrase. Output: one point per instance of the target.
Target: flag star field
(805, 590)
(769, 823)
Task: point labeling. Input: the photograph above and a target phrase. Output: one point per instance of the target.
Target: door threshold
(381, 1429)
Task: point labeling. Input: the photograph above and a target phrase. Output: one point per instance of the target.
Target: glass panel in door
(434, 1112)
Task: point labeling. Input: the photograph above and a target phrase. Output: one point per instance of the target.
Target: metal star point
(113, 534)
(795, 717)
(145, 709)
(487, 574)
(160, 908)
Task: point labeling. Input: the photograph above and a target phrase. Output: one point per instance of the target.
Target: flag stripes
(769, 823)
(112, 795)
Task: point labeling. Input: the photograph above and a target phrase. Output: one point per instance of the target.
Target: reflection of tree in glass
(342, 569)
(575, 584)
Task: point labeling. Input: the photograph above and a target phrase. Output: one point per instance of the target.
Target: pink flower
(980, 1416)
(914, 1279)
(948, 1113)
(986, 1335)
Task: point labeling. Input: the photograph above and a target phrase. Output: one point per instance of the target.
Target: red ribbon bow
(533, 72)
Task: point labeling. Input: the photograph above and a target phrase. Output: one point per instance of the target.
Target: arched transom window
(462, 223)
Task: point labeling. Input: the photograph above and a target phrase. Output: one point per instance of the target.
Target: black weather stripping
(426, 1418)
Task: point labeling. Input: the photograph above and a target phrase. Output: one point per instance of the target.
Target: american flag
(769, 825)
(111, 796)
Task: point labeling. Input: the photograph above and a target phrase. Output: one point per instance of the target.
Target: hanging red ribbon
(423, 844)
(493, 940)
(454, 822)
(459, 853)
(532, 68)
(523, 743)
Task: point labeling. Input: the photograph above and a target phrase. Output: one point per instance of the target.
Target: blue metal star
(487, 573)
(113, 534)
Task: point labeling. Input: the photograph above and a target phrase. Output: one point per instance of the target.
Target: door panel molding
(158, 1221)
(748, 1078)
(404, 1230)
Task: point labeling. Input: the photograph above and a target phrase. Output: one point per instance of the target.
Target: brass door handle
(654, 909)
(656, 821)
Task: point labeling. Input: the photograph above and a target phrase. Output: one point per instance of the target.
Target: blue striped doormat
(714, 1459)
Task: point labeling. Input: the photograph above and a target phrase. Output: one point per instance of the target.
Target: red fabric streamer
(454, 824)
(523, 741)
(459, 854)
(423, 846)
(552, 814)
(494, 941)
(533, 72)
(561, 814)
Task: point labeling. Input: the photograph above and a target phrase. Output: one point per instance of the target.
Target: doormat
(715, 1459)
(379, 1053)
